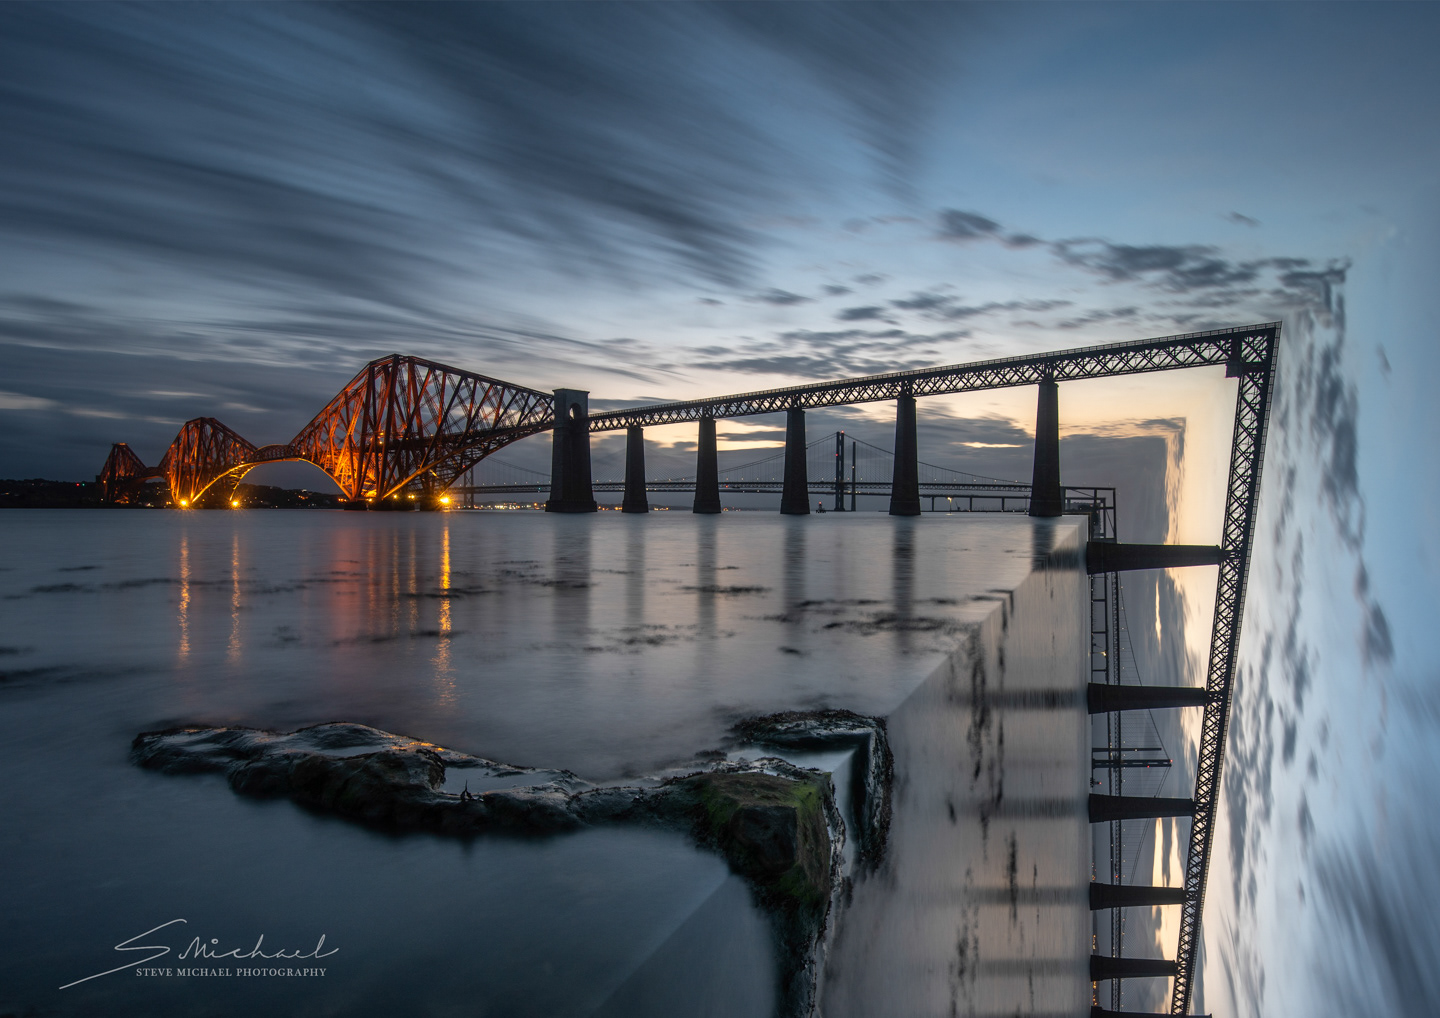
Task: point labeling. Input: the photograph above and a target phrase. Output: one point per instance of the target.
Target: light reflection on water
(607, 645)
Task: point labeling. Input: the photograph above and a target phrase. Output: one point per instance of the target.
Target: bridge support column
(1104, 967)
(1133, 895)
(795, 496)
(1046, 496)
(905, 481)
(1105, 808)
(570, 489)
(635, 500)
(1101, 698)
(707, 470)
(1109, 557)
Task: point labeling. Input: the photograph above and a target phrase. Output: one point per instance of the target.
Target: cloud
(944, 307)
(1310, 287)
(861, 314)
(805, 353)
(781, 297)
(884, 60)
(1241, 219)
(832, 290)
(19, 401)
(962, 226)
(1178, 268)
(923, 302)
(1199, 273)
(1099, 315)
(381, 151)
(1378, 898)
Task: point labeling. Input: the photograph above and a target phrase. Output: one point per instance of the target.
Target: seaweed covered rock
(777, 826)
(775, 823)
(773, 829)
(872, 765)
(367, 775)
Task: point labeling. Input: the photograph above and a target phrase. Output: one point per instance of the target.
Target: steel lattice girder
(1247, 455)
(122, 465)
(400, 420)
(1240, 350)
(203, 452)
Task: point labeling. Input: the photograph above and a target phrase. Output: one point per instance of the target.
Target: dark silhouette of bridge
(840, 468)
(406, 426)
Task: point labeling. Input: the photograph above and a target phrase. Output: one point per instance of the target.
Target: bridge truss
(402, 422)
(1241, 349)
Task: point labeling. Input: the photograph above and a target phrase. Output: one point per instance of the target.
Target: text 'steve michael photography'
(719, 510)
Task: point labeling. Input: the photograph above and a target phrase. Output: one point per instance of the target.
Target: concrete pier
(1104, 967)
(1046, 496)
(570, 482)
(707, 470)
(1109, 557)
(1101, 698)
(905, 482)
(635, 499)
(1104, 895)
(795, 497)
(1104, 808)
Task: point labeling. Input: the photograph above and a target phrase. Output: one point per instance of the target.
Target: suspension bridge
(407, 429)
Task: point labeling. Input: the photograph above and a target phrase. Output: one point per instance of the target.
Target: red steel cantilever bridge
(404, 423)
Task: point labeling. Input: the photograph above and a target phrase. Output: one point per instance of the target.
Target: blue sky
(225, 210)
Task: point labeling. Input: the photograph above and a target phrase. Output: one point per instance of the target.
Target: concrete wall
(979, 907)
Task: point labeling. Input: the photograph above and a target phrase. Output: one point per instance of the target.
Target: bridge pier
(1105, 808)
(1110, 557)
(905, 481)
(1133, 895)
(795, 496)
(1046, 496)
(707, 470)
(635, 500)
(1102, 698)
(570, 487)
(1104, 967)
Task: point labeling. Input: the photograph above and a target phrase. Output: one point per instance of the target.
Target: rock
(764, 840)
(873, 768)
(775, 823)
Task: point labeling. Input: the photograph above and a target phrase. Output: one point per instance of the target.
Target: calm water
(608, 645)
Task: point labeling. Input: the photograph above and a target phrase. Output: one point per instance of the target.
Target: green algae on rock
(775, 823)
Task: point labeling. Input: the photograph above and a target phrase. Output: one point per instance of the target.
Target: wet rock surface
(777, 824)
(872, 766)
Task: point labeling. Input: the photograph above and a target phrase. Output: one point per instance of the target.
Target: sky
(225, 210)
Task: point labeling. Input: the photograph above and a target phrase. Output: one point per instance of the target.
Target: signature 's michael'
(199, 949)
